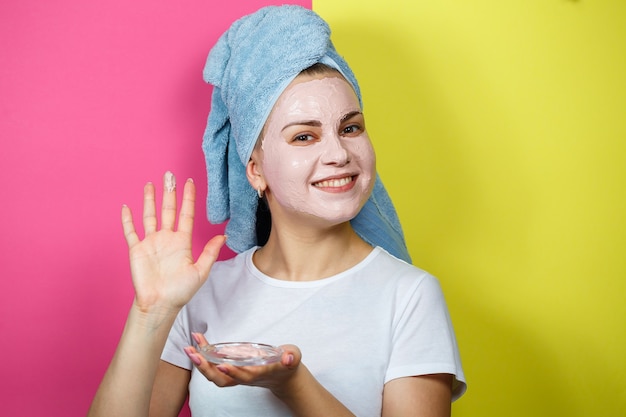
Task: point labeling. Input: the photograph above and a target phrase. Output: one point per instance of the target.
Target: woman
(361, 331)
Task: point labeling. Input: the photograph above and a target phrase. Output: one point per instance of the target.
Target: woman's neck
(310, 255)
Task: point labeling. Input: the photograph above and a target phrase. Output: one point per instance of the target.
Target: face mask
(317, 156)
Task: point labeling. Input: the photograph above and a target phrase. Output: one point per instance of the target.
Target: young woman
(362, 332)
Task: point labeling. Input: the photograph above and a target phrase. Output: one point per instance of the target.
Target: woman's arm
(165, 277)
(170, 390)
(306, 397)
(418, 396)
(126, 388)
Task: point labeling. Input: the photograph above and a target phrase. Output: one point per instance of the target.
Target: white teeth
(334, 183)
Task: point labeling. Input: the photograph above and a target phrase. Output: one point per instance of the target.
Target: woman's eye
(350, 130)
(303, 138)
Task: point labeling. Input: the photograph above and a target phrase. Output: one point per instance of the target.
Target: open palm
(162, 265)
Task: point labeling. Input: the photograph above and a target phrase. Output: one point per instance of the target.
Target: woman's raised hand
(164, 273)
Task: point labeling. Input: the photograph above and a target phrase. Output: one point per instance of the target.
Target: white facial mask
(315, 161)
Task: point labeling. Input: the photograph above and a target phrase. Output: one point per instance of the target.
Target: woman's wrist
(293, 387)
(153, 317)
(305, 396)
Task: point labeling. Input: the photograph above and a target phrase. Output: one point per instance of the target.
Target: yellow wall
(500, 127)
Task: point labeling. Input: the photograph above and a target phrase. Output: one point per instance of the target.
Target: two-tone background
(500, 128)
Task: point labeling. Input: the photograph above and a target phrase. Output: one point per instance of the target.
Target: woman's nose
(334, 152)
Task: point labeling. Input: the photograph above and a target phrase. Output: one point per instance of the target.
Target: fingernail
(194, 358)
(170, 182)
(289, 359)
(196, 337)
(222, 369)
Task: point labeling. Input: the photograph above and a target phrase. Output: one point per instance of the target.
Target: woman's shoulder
(389, 268)
(383, 259)
(227, 271)
(239, 260)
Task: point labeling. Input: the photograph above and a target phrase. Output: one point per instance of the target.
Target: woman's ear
(254, 172)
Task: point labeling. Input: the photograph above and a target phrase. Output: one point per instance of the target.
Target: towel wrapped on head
(250, 66)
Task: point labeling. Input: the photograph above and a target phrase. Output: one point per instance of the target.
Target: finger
(291, 356)
(187, 209)
(207, 369)
(149, 209)
(168, 207)
(214, 374)
(209, 254)
(200, 340)
(129, 227)
(249, 375)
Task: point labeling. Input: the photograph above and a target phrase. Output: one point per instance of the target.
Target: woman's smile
(337, 184)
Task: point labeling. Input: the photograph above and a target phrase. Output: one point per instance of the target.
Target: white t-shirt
(380, 320)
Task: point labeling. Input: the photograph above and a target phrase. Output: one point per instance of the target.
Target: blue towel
(249, 67)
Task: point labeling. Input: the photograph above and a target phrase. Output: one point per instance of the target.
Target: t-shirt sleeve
(423, 337)
(179, 338)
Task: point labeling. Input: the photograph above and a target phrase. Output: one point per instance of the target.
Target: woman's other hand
(275, 376)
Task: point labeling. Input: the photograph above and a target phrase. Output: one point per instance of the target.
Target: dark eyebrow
(313, 123)
(317, 123)
(350, 115)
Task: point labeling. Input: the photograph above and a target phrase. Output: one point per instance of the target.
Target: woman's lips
(336, 184)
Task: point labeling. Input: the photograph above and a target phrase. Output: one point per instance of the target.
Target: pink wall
(96, 98)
